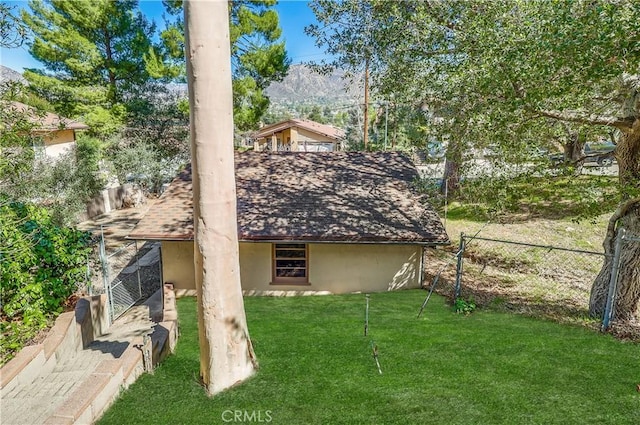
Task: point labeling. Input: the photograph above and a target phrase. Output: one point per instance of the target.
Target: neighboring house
(57, 134)
(298, 135)
(337, 222)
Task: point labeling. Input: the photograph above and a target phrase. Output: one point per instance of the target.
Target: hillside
(301, 86)
(8, 74)
(304, 86)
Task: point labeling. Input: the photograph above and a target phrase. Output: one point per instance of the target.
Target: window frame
(289, 280)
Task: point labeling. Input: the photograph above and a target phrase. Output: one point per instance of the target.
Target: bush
(41, 265)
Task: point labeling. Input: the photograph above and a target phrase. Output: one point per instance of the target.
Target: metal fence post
(613, 281)
(105, 275)
(459, 265)
(138, 270)
(103, 260)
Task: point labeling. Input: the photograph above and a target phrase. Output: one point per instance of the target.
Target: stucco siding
(335, 268)
(177, 264)
(56, 150)
(341, 268)
(309, 136)
(59, 136)
(255, 265)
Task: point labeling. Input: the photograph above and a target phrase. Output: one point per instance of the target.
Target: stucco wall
(55, 151)
(177, 265)
(336, 268)
(59, 136)
(341, 268)
(309, 136)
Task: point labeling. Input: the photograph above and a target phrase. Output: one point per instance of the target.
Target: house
(56, 134)
(298, 135)
(337, 222)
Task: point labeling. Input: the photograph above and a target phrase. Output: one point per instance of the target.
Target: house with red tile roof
(333, 222)
(298, 135)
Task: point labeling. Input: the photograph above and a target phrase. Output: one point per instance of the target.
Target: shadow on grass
(318, 368)
(524, 198)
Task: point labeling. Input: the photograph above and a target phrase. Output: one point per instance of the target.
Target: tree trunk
(573, 147)
(113, 89)
(226, 354)
(627, 216)
(452, 165)
(573, 151)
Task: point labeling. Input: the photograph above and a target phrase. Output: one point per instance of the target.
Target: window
(290, 263)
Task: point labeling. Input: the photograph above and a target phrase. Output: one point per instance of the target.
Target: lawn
(316, 367)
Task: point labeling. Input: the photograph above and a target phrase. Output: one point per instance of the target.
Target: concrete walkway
(35, 403)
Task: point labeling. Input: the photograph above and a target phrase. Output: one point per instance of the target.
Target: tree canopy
(93, 53)
(258, 58)
(517, 75)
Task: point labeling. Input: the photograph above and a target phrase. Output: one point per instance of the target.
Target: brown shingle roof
(315, 127)
(299, 196)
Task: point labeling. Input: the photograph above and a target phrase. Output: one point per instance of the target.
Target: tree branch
(621, 123)
(622, 210)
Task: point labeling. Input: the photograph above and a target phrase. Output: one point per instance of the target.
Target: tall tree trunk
(627, 216)
(113, 89)
(226, 354)
(452, 165)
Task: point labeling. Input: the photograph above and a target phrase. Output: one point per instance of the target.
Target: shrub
(41, 265)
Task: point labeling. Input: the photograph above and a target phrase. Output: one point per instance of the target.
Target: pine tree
(258, 58)
(93, 53)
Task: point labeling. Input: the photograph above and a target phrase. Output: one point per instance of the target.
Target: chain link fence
(540, 271)
(126, 274)
(552, 280)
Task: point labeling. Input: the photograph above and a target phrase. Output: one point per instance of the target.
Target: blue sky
(294, 16)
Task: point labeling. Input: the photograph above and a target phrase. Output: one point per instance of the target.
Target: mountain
(304, 86)
(301, 86)
(8, 74)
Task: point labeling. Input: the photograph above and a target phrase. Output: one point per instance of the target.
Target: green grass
(316, 367)
(551, 197)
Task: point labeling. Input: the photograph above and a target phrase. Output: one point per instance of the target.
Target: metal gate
(120, 278)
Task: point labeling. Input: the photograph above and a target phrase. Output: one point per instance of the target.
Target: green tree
(257, 56)
(12, 30)
(93, 52)
(345, 30)
(517, 74)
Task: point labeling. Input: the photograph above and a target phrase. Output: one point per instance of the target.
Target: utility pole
(386, 123)
(366, 104)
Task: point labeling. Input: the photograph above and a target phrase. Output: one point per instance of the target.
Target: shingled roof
(312, 197)
(47, 120)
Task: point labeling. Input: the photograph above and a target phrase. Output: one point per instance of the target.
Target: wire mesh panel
(123, 283)
(95, 279)
(125, 274)
(545, 275)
